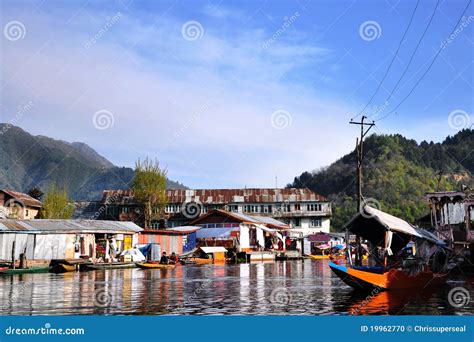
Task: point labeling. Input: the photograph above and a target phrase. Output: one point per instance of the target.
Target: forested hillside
(397, 173)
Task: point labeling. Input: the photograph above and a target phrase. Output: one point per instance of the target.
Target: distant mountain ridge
(27, 161)
(397, 174)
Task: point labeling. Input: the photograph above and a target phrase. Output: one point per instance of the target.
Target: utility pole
(364, 129)
(360, 154)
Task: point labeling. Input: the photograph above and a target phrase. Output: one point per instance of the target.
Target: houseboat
(401, 256)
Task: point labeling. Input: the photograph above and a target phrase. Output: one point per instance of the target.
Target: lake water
(303, 287)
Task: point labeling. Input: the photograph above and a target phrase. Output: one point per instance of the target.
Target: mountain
(27, 161)
(397, 173)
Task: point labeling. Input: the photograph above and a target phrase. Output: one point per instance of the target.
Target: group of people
(172, 259)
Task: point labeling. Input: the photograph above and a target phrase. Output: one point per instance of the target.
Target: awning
(373, 224)
(271, 231)
(210, 250)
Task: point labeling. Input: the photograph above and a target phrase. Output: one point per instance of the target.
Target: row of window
(176, 208)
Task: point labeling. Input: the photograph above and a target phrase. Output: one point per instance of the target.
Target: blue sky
(231, 93)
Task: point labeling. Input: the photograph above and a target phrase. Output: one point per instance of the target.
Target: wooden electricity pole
(364, 130)
(360, 154)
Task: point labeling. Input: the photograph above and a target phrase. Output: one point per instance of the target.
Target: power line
(413, 54)
(391, 62)
(429, 67)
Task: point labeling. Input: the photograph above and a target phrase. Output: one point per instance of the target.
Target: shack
(44, 240)
(241, 232)
(179, 240)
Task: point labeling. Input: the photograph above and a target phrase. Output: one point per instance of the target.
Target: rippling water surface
(304, 287)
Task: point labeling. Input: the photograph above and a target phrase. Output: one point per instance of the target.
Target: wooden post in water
(13, 254)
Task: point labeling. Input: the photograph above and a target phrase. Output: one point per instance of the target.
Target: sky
(234, 93)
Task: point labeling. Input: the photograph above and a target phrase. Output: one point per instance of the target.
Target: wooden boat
(11, 271)
(111, 266)
(318, 257)
(62, 268)
(146, 266)
(391, 235)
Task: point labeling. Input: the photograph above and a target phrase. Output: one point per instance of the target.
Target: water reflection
(295, 287)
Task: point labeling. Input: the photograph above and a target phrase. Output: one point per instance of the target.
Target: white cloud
(203, 107)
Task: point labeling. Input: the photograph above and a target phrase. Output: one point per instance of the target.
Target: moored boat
(146, 266)
(11, 271)
(318, 257)
(402, 256)
(111, 266)
(62, 268)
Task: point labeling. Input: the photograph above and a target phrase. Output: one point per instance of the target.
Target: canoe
(62, 268)
(202, 261)
(25, 270)
(111, 266)
(367, 277)
(319, 257)
(146, 266)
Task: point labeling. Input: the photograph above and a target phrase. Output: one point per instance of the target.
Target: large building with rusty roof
(300, 208)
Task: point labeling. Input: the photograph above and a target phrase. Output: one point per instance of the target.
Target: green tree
(56, 204)
(149, 188)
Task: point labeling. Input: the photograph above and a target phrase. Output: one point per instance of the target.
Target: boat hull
(363, 279)
(148, 266)
(318, 257)
(25, 270)
(62, 268)
(111, 266)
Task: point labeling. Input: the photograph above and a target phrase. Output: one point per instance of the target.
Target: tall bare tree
(149, 187)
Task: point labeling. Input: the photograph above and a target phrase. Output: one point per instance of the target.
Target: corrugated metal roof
(222, 196)
(68, 226)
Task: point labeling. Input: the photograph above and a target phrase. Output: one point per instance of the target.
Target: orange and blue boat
(402, 256)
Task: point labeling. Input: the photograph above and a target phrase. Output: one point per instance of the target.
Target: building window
(297, 206)
(125, 210)
(297, 222)
(315, 222)
(27, 212)
(269, 208)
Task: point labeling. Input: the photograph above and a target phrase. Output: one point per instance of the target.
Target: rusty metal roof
(68, 226)
(23, 198)
(222, 196)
